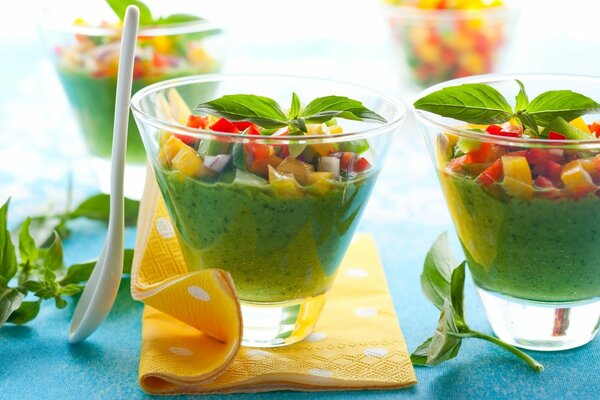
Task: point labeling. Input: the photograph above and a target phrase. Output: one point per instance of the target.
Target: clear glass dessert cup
(281, 242)
(532, 251)
(434, 45)
(84, 49)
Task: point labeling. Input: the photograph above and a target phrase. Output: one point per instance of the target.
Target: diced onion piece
(329, 164)
(217, 163)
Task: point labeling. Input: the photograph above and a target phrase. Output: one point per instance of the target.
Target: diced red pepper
(196, 121)
(481, 155)
(260, 151)
(138, 70)
(456, 164)
(347, 161)
(499, 131)
(223, 125)
(493, 129)
(243, 125)
(492, 174)
(595, 128)
(160, 60)
(361, 165)
(556, 136)
(553, 171)
(252, 130)
(543, 182)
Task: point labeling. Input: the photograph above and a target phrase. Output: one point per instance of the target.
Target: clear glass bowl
(85, 50)
(530, 243)
(438, 45)
(281, 241)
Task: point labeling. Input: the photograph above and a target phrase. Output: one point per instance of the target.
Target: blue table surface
(405, 215)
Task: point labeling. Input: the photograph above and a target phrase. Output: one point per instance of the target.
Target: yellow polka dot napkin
(192, 325)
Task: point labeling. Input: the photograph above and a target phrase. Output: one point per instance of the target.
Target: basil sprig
(443, 283)
(267, 113)
(478, 103)
(37, 272)
(146, 17)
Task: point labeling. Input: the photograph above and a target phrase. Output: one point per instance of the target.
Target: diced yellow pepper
(189, 163)
(324, 149)
(335, 129)
(283, 184)
(168, 150)
(162, 44)
(577, 180)
(300, 170)
(580, 124)
(517, 181)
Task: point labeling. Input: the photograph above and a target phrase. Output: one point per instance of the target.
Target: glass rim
(377, 128)
(507, 141)
(152, 31)
(413, 13)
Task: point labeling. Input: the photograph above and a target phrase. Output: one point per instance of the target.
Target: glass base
(541, 326)
(135, 176)
(280, 324)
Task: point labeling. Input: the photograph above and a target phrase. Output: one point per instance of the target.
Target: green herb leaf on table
(39, 271)
(120, 6)
(97, 208)
(446, 292)
(560, 125)
(25, 313)
(472, 102)
(560, 103)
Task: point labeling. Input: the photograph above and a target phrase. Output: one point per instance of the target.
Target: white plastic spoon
(99, 295)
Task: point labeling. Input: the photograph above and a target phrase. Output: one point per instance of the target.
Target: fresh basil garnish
(267, 113)
(443, 284)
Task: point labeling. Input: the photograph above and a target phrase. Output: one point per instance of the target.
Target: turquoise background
(40, 147)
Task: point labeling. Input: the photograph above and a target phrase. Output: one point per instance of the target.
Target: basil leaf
(78, 273)
(295, 108)
(299, 124)
(25, 313)
(474, 103)
(419, 356)
(522, 101)
(54, 257)
(10, 300)
(560, 125)
(177, 19)
(444, 346)
(437, 272)
(246, 107)
(127, 261)
(120, 7)
(457, 296)
(27, 248)
(97, 208)
(569, 105)
(528, 122)
(325, 108)
(70, 290)
(8, 256)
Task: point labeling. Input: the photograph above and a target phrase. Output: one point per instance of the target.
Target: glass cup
(281, 240)
(530, 233)
(438, 45)
(85, 51)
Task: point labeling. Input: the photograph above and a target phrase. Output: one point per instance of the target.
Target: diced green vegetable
(248, 178)
(239, 156)
(560, 125)
(212, 148)
(355, 146)
(468, 145)
(331, 122)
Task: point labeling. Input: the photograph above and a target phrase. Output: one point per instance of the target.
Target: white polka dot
(315, 337)
(181, 351)
(164, 228)
(257, 353)
(365, 312)
(357, 272)
(376, 352)
(198, 293)
(320, 372)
